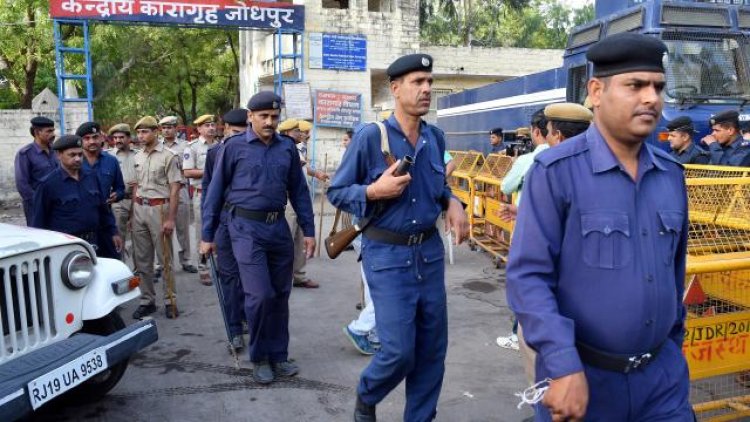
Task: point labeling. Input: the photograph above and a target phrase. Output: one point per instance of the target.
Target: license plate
(66, 377)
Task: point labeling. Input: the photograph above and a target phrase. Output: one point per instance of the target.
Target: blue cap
(88, 128)
(236, 117)
(627, 52)
(497, 131)
(410, 63)
(67, 142)
(264, 100)
(41, 121)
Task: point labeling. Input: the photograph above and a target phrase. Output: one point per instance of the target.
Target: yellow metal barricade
(717, 292)
(488, 230)
(468, 164)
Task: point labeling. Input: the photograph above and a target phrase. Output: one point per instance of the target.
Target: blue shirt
(255, 176)
(107, 169)
(693, 154)
(208, 168)
(597, 257)
(735, 154)
(32, 165)
(67, 205)
(422, 201)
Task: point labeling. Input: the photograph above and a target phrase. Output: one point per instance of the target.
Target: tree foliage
(26, 51)
(492, 23)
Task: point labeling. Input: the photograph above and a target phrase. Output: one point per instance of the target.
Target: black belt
(623, 364)
(268, 217)
(91, 237)
(394, 238)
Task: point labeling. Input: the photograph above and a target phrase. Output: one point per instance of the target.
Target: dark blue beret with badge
(727, 116)
(88, 128)
(410, 63)
(67, 142)
(498, 131)
(681, 124)
(264, 100)
(236, 117)
(627, 52)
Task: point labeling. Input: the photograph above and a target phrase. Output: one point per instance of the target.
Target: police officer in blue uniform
(235, 122)
(725, 143)
(68, 200)
(402, 254)
(597, 265)
(496, 140)
(681, 141)
(254, 174)
(34, 161)
(107, 169)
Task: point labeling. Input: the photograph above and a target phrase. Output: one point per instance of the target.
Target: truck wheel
(100, 385)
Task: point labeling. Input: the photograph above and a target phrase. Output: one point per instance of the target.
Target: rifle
(216, 281)
(337, 242)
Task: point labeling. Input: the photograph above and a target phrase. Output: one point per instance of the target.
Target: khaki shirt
(127, 167)
(194, 157)
(178, 147)
(155, 171)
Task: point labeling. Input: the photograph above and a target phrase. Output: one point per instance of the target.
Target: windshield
(711, 69)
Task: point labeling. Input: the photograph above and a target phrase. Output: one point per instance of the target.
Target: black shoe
(237, 343)
(171, 311)
(364, 412)
(262, 373)
(157, 273)
(144, 310)
(189, 268)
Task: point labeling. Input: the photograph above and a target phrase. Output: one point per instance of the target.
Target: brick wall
(14, 130)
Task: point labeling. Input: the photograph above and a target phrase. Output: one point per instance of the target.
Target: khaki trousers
(300, 260)
(528, 355)
(147, 242)
(121, 211)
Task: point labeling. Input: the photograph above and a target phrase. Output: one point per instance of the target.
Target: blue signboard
(338, 51)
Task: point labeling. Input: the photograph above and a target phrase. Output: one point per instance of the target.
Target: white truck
(62, 333)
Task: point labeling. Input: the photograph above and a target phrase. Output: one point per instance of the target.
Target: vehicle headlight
(77, 270)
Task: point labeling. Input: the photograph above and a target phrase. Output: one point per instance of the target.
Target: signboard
(201, 13)
(298, 101)
(338, 109)
(338, 51)
(717, 345)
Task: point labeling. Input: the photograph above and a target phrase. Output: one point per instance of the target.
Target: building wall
(391, 32)
(14, 127)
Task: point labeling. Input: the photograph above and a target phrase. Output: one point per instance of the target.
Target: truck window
(577, 79)
(707, 68)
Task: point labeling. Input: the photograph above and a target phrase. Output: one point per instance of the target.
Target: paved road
(188, 374)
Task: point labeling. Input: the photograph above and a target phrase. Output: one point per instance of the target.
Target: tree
(26, 51)
(533, 23)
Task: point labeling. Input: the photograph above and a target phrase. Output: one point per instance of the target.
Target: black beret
(236, 117)
(627, 52)
(496, 131)
(264, 100)
(41, 121)
(67, 142)
(410, 63)
(682, 124)
(728, 116)
(88, 128)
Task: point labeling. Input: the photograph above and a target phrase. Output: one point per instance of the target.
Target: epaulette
(663, 154)
(569, 148)
(24, 149)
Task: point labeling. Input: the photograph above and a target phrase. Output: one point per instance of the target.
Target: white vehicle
(61, 330)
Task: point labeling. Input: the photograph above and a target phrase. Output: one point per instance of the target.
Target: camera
(516, 145)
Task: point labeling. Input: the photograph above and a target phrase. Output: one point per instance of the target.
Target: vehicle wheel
(97, 387)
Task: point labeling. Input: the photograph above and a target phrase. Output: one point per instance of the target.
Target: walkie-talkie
(403, 166)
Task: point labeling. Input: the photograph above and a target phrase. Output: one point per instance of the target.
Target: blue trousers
(658, 392)
(229, 272)
(105, 246)
(264, 254)
(407, 285)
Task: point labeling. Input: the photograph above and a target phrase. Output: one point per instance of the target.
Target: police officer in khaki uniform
(154, 212)
(194, 161)
(168, 126)
(122, 210)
